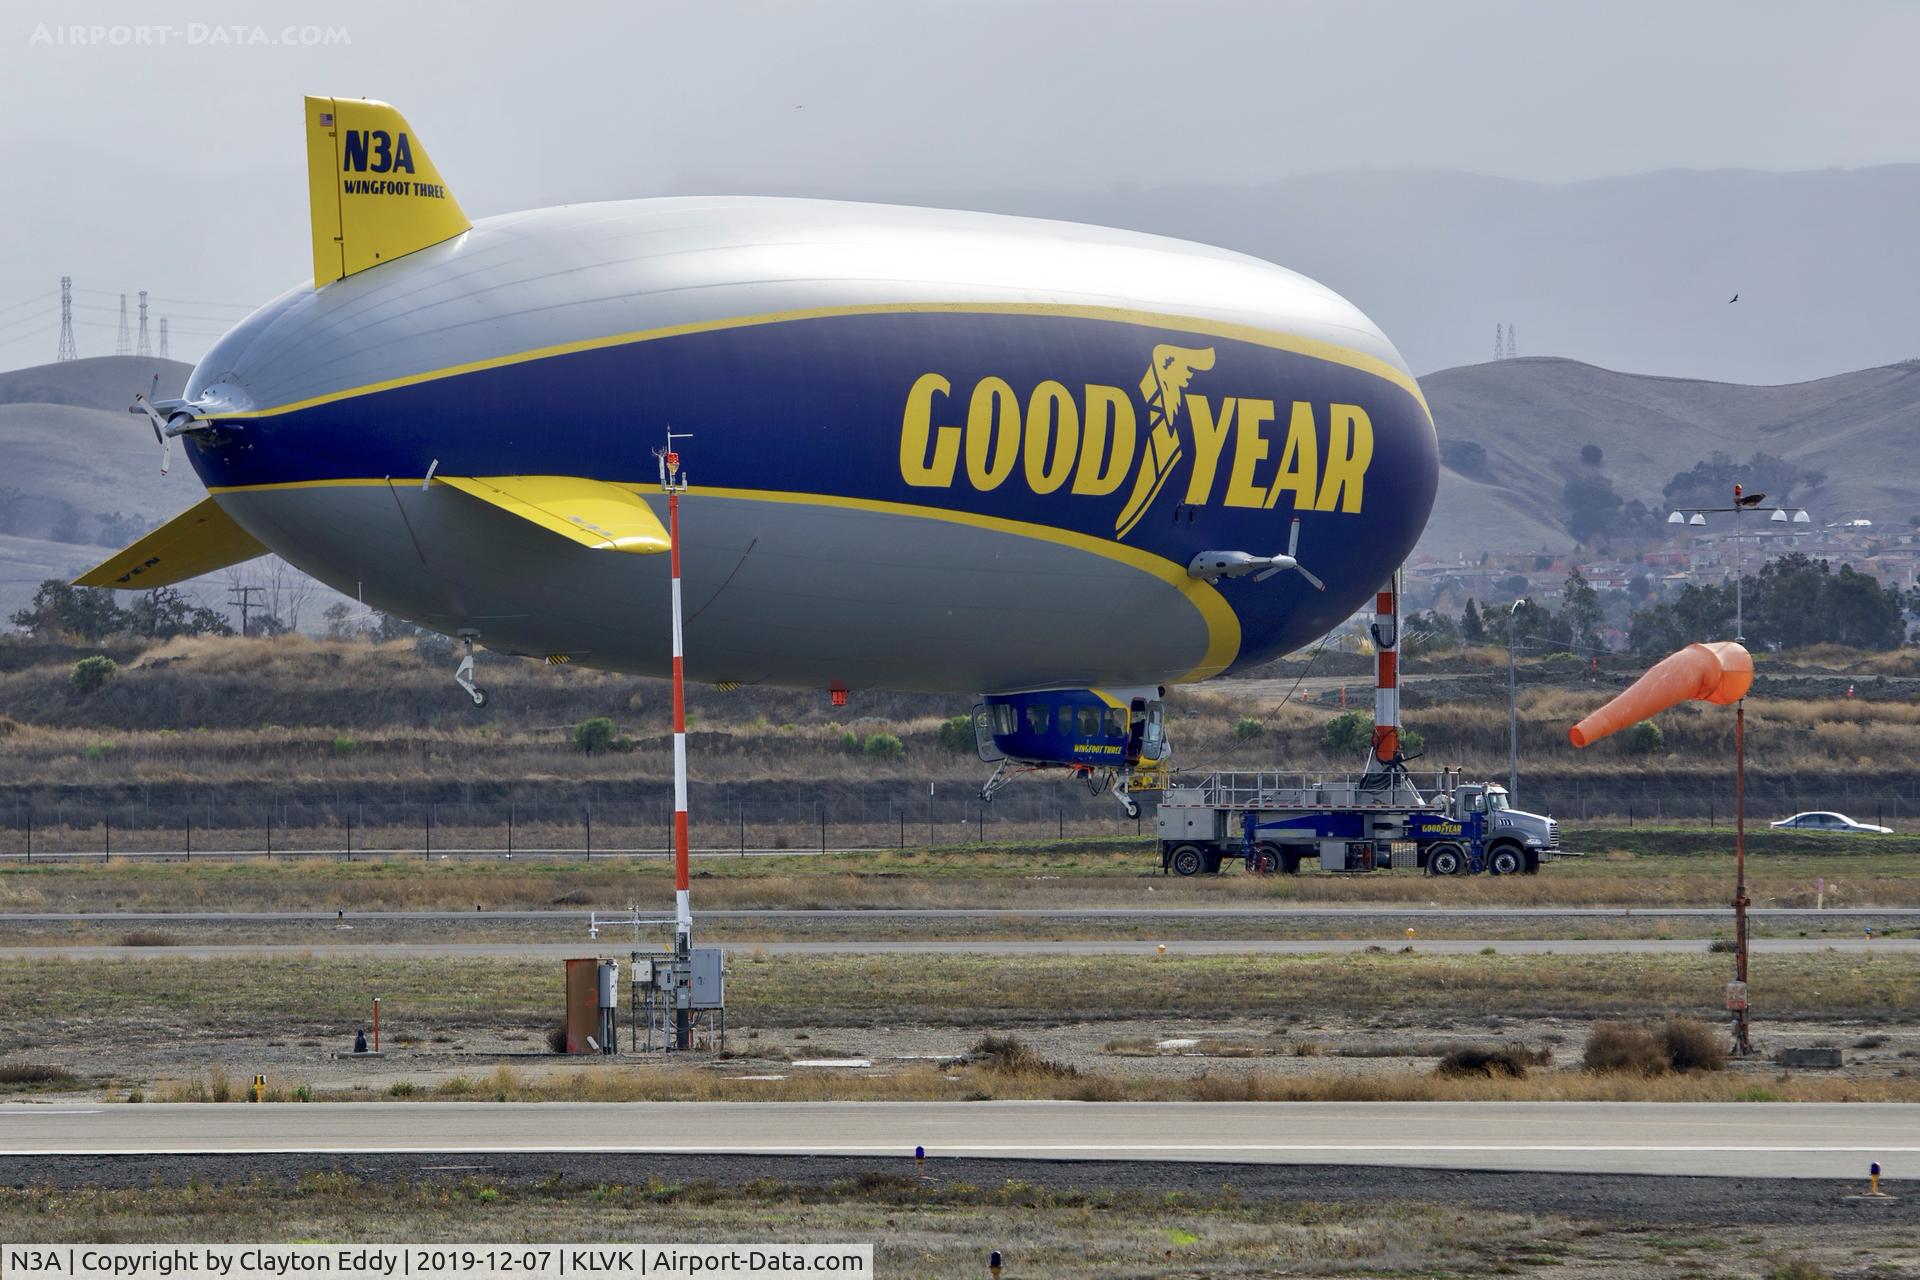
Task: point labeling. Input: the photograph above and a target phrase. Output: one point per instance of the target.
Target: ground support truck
(1375, 821)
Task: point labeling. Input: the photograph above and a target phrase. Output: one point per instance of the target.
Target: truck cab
(1513, 840)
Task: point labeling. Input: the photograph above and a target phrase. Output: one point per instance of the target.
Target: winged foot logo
(1088, 442)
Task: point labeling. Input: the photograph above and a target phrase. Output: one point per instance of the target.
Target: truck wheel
(1533, 863)
(1506, 861)
(1266, 859)
(1187, 860)
(1446, 860)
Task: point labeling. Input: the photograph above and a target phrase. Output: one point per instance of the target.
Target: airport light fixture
(1742, 502)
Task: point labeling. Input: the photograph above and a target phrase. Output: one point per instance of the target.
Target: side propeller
(173, 422)
(1211, 566)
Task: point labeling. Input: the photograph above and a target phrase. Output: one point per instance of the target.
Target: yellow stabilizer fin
(199, 540)
(375, 195)
(593, 513)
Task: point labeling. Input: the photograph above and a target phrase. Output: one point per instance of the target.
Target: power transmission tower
(245, 602)
(143, 347)
(163, 338)
(122, 343)
(1499, 341)
(67, 350)
(1513, 343)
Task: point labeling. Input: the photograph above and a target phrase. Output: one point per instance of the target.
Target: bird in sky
(1735, 298)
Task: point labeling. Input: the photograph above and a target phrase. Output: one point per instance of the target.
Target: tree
(1348, 732)
(92, 673)
(1429, 632)
(1591, 454)
(1709, 483)
(340, 622)
(59, 609)
(163, 613)
(593, 736)
(1537, 629)
(1580, 607)
(1473, 629)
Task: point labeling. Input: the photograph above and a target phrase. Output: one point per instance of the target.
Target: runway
(346, 949)
(980, 913)
(1750, 1140)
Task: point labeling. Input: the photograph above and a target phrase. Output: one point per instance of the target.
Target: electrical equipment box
(609, 984)
(709, 985)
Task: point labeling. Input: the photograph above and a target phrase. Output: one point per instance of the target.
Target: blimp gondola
(1057, 465)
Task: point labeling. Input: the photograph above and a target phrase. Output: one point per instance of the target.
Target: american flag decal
(326, 118)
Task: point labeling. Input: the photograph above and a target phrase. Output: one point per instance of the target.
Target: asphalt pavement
(1750, 1140)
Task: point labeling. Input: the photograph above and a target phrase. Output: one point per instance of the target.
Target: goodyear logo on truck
(1127, 444)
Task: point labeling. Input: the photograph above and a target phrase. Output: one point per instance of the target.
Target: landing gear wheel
(1506, 861)
(1266, 860)
(1130, 806)
(479, 696)
(1446, 860)
(1187, 860)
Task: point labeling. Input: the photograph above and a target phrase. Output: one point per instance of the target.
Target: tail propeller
(1211, 566)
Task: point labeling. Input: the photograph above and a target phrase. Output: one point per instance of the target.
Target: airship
(1059, 466)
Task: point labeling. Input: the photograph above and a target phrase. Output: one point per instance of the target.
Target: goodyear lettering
(1090, 441)
(375, 151)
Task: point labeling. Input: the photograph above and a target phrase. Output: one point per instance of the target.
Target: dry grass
(923, 1227)
(323, 995)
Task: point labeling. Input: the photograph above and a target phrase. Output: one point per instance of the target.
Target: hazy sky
(157, 147)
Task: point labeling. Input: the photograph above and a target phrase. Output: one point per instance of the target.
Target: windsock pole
(1386, 675)
(675, 483)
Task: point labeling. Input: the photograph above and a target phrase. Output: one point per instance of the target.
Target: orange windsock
(1720, 672)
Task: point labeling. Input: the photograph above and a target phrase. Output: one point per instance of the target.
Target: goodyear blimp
(1061, 465)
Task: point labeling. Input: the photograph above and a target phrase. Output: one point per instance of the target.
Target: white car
(1828, 822)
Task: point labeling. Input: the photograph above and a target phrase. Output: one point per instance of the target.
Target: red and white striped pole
(674, 483)
(1386, 681)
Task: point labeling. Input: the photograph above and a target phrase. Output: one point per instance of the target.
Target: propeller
(165, 426)
(1211, 566)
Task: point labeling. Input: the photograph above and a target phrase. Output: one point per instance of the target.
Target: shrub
(92, 673)
(1347, 733)
(957, 734)
(97, 750)
(148, 938)
(884, 746)
(593, 736)
(345, 746)
(402, 1089)
(1411, 742)
(850, 743)
(33, 1073)
(1012, 1055)
(623, 744)
(1491, 1060)
(1626, 1048)
(1247, 727)
(1692, 1045)
(1645, 739)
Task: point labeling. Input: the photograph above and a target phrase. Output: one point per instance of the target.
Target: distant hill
(79, 475)
(1532, 416)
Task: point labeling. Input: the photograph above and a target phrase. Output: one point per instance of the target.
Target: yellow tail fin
(375, 195)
